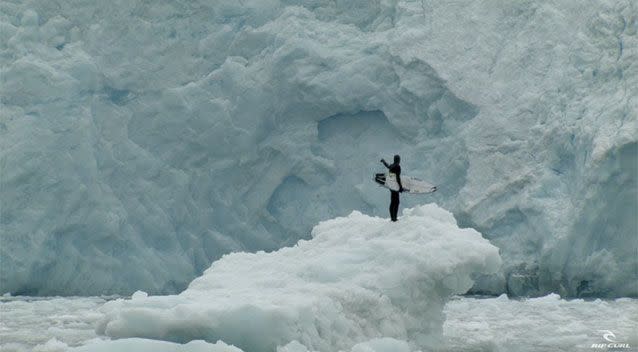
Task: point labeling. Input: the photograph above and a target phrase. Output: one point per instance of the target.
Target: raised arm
(384, 163)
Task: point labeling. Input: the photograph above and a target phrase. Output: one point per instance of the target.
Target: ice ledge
(357, 279)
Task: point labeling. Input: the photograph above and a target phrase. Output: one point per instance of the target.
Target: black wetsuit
(394, 195)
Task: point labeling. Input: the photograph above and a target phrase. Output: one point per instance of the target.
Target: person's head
(397, 159)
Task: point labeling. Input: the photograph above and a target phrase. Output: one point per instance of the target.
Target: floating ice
(375, 345)
(546, 323)
(146, 345)
(52, 322)
(357, 279)
(471, 324)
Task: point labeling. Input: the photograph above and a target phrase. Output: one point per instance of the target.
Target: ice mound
(358, 278)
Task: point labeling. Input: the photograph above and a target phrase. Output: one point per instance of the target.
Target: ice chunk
(53, 345)
(385, 344)
(139, 295)
(546, 323)
(47, 323)
(146, 345)
(358, 278)
(472, 324)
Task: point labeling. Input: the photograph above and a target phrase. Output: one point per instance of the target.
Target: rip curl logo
(610, 337)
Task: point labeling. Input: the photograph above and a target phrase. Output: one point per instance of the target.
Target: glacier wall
(140, 142)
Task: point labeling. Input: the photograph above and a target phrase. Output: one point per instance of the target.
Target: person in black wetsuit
(395, 168)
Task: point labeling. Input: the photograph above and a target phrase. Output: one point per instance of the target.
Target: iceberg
(139, 142)
(360, 279)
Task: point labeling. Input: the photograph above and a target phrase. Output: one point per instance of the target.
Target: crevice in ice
(118, 96)
(366, 127)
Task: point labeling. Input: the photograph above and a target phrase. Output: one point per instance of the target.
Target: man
(395, 169)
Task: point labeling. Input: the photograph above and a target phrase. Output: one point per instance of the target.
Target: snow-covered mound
(141, 141)
(357, 279)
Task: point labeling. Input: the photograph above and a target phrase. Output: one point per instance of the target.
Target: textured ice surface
(538, 324)
(139, 142)
(358, 278)
(145, 345)
(385, 344)
(471, 325)
(31, 321)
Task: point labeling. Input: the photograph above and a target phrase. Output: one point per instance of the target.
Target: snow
(140, 143)
(320, 292)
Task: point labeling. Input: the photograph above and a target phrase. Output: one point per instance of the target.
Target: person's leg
(394, 205)
(391, 206)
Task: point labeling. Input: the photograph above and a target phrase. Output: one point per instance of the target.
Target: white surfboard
(410, 184)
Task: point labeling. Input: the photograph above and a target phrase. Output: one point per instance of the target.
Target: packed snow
(139, 142)
(358, 278)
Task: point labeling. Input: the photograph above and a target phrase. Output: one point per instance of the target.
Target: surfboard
(410, 184)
